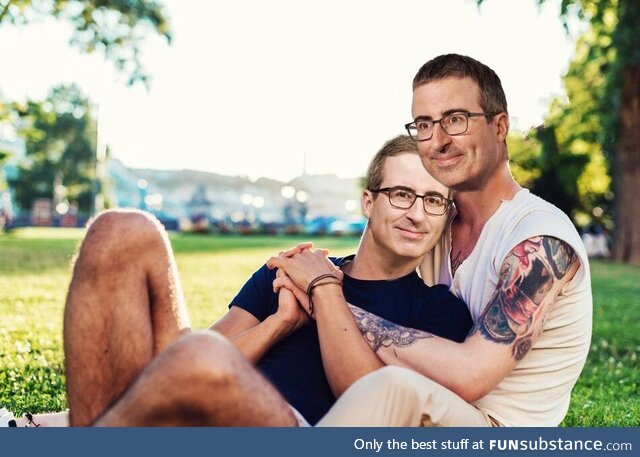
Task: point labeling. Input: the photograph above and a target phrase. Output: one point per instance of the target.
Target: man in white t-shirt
(516, 260)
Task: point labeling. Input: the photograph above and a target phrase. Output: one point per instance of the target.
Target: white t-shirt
(538, 390)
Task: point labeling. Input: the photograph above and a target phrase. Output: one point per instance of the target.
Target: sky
(273, 88)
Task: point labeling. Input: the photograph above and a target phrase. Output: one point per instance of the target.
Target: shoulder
(263, 274)
(528, 216)
(529, 209)
(256, 295)
(525, 204)
(259, 285)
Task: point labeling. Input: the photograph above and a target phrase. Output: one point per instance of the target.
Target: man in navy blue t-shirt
(130, 357)
(381, 278)
(294, 364)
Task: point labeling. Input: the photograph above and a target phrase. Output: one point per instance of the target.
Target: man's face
(466, 161)
(407, 233)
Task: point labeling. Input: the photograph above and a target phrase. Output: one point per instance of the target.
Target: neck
(476, 206)
(373, 262)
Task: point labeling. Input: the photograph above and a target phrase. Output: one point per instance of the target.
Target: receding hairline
(492, 96)
(439, 79)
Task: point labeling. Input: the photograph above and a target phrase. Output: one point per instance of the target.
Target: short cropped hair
(492, 98)
(399, 145)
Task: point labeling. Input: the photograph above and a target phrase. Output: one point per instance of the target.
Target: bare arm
(234, 322)
(531, 277)
(254, 338)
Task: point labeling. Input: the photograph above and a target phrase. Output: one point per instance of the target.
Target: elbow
(338, 390)
(472, 388)
(472, 393)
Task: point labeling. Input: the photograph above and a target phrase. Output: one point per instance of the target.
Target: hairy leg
(124, 306)
(201, 380)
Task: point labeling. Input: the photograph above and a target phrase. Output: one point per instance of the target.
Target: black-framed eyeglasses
(452, 124)
(404, 198)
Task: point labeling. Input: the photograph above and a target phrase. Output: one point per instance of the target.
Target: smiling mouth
(411, 233)
(444, 161)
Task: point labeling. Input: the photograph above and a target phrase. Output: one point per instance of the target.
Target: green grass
(608, 391)
(34, 274)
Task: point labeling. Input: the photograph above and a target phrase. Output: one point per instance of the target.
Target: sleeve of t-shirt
(256, 296)
(542, 223)
(443, 314)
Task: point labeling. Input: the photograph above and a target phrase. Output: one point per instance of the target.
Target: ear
(502, 122)
(366, 201)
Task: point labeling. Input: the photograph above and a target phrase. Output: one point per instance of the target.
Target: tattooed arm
(531, 277)
(515, 314)
(379, 332)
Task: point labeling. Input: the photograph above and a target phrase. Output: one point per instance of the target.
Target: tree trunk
(627, 218)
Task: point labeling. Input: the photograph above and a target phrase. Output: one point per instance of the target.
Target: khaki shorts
(398, 397)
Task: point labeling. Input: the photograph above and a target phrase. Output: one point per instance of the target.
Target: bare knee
(124, 224)
(204, 359)
(121, 232)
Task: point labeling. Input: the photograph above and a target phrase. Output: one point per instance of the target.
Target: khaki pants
(398, 397)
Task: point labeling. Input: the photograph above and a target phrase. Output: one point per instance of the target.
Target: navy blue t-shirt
(294, 365)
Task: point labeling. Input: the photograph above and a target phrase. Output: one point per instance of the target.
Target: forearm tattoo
(516, 311)
(381, 333)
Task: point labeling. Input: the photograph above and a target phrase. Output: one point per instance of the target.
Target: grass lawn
(34, 274)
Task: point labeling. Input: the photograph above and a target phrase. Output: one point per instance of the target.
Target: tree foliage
(598, 119)
(114, 27)
(565, 160)
(60, 132)
(610, 73)
(59, 135)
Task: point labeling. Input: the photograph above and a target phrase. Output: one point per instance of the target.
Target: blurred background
(261, 117)
(247, 127)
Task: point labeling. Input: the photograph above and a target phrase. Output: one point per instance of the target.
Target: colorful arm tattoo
(515, 312)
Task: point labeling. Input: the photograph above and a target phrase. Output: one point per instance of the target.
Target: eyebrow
(446, 113)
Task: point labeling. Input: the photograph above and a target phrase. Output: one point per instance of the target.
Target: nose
(417, 215)
(440, 139)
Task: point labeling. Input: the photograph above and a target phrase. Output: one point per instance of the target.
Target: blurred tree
(60, 145)
(577, 127)
(59, 132)
(5, 112)
(113, 27)
(550, 171)
(523, 155)
(603, 87)
(560, 169)
(564, 157)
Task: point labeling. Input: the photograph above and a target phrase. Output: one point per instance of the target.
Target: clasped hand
(297, 267)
